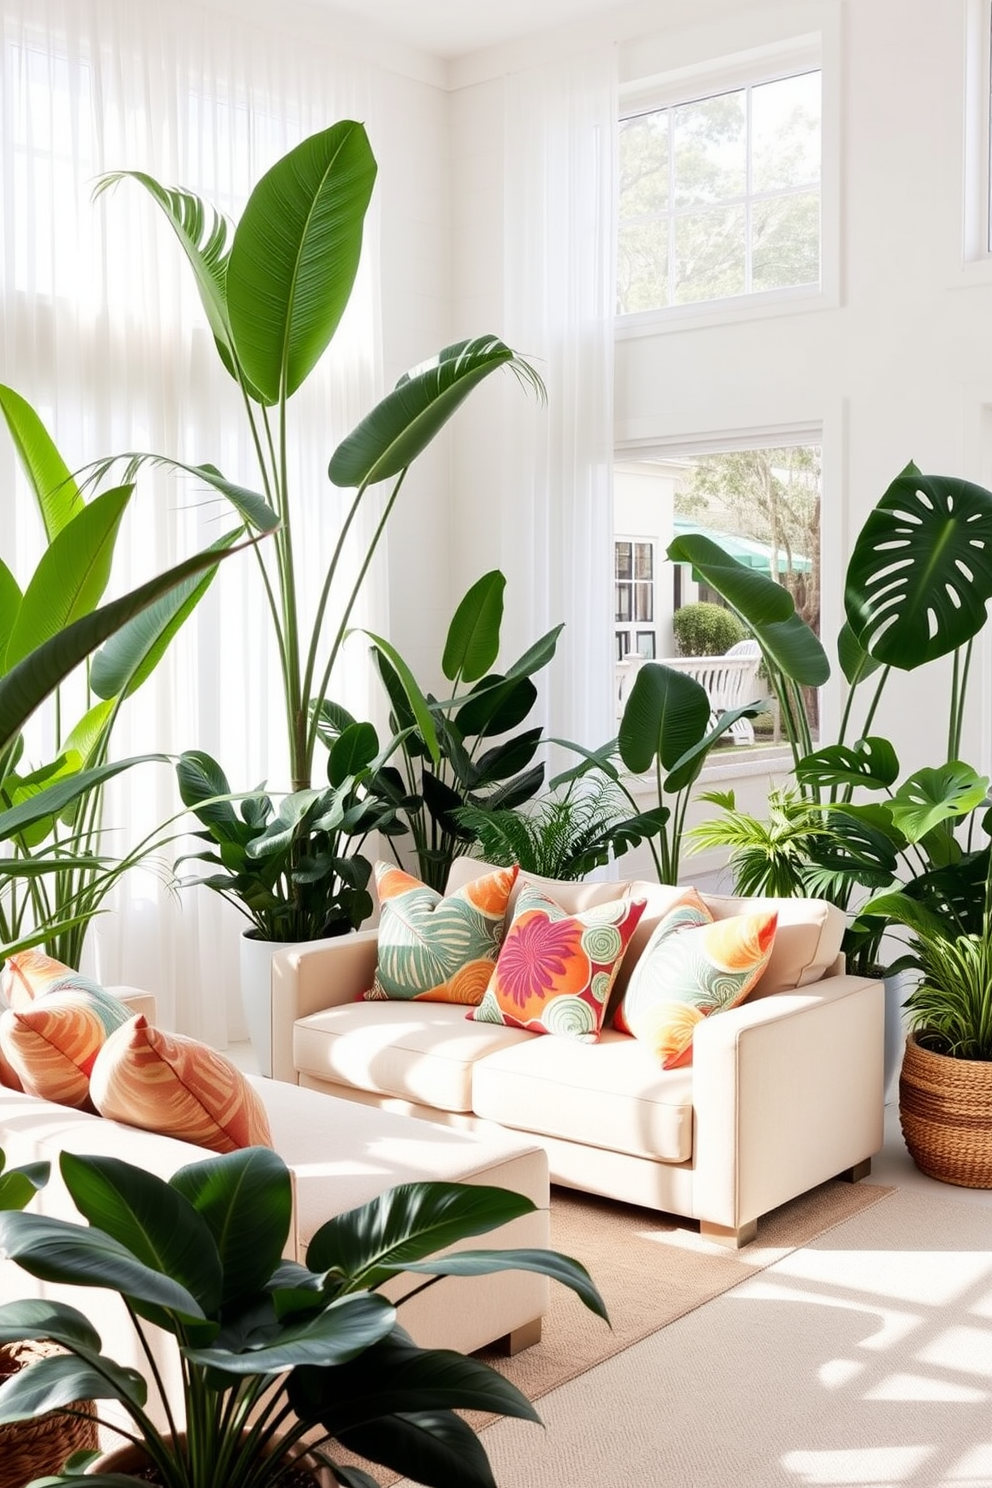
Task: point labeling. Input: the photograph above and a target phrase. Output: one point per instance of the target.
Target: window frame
(818, 51)
(635, 628)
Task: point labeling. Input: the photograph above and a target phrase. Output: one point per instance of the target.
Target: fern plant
(951, 1009)
(564, 834)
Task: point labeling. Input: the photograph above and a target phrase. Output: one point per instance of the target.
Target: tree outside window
(720, 196)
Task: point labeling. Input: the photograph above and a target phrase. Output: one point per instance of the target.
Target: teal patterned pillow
(434, 948)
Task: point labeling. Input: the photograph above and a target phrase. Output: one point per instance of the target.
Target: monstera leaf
(920, 575)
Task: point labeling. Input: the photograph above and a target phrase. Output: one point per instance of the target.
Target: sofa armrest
(787, 1092)
(308, 978)
(137, 1000)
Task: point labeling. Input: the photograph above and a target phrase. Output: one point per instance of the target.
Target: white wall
(893, 364)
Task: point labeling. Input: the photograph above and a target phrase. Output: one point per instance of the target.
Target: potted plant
(45, 1442)
(917, 588)
(274, 288)
(277, 1357)
(447, 760)
(297, 872)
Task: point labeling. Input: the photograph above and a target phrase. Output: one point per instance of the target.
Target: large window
(720, 195)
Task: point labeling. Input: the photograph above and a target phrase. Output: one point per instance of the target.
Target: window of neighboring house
(720, 195)
(634, 569)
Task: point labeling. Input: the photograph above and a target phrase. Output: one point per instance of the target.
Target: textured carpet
(861, 1360)
(650, 1272)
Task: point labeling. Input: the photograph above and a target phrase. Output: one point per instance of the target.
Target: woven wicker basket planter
(945, 1107)
(35, 1449)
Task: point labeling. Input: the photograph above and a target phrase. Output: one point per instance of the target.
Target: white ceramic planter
(256, 994)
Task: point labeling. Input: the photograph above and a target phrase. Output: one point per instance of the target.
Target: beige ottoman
(342, 1153)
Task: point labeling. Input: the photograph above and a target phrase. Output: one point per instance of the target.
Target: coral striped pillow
(28, 974)
(168, 1083)
(51, 1043)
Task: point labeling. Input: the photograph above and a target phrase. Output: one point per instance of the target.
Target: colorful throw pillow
(691, 968)
(28, 973)
(51, 1042)
(168, 1083)
(436, 949)
(555, 970)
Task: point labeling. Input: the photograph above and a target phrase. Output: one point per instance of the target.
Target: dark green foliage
(703, 629)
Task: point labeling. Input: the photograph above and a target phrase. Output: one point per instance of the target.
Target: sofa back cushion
(806, 947)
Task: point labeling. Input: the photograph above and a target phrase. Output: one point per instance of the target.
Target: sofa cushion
(555, 971)
(168, 1083)
(692, 967)
(418, 1051)
(610, 1095)
(435, 949)
(807, 941)
(51, 1042)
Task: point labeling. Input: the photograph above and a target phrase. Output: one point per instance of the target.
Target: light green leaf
(930, 797)
(419, 705)
(55, 490)
(71, 576)
(55, 798)
(295, 256)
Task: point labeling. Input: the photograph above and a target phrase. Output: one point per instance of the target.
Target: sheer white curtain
(101, 329)
(559, 297)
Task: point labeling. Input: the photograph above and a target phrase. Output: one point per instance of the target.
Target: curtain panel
(102, 331)
(559, 299)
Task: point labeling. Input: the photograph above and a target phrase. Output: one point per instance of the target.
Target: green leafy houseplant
(57, 876)
(454, 752)
(298, 871)
(272, 1351)
(565, 833)
(917, 587)
(274, 289)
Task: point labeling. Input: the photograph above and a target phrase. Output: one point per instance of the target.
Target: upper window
(720, 196)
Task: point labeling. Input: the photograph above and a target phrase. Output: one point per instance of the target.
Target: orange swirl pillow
(27, 974)
(168, 1083)
(692, 967)
(50, 1043)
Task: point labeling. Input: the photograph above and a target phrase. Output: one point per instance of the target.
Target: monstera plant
(274, 288)
(917, 590)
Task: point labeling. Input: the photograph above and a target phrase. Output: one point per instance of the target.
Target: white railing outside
(730, 681)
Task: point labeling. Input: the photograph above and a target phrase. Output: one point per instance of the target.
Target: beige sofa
(784, 1091)
(339, 1155)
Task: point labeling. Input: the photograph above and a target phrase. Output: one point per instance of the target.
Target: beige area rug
(651, 1272)
(861, 1360)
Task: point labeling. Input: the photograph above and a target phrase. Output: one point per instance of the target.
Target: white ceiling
(453, 28)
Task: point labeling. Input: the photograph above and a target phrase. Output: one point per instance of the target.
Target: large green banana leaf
(403, 424)
(57, 494)
(10, 605)
(920, 576)
(39, 673)
(766, 608)
(71, 575)
(295, 256)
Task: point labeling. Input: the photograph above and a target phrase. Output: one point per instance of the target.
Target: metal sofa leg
(855, 1174)
(727, 1234)
(519, 1338)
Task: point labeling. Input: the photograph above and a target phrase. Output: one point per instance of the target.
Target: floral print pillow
(556, 970)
